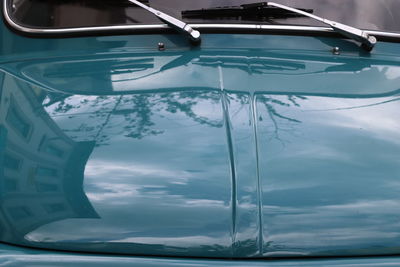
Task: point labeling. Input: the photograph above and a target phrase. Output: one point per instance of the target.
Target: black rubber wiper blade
(255, 11)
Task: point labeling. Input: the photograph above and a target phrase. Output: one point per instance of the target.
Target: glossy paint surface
(14, 256)
(250, 146)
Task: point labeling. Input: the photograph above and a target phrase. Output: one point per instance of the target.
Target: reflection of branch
(140, 125)
(267, 102)
(173, 105)
(292, 99)
(270, 103)
(107, 119)
(271, 113)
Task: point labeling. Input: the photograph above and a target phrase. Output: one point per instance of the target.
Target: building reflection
(41, 168)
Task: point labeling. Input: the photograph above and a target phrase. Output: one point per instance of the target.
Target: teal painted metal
(16, 256)
(249, 146)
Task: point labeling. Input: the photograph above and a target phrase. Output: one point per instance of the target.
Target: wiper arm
(173, 22)
(250, 11)
(368, 41)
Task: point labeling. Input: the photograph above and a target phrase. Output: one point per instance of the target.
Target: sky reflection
(327, 183)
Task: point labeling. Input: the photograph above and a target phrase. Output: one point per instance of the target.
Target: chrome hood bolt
(161, 46)
(336, 50)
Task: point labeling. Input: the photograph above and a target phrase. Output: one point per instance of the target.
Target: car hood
(203, 153)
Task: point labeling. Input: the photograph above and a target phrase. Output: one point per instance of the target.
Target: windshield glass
(365, 14)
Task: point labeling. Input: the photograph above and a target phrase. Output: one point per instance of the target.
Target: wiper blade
(246, 11)
(368, 41)
(173, 22)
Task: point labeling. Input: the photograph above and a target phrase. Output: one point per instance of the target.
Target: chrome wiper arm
(173, 22)
(368, 41)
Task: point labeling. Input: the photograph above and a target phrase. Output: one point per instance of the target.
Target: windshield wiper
(368, 41)
(265, 10)
(173, 22)
(256, 11)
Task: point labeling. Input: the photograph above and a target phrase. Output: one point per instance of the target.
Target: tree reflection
(280, 122)
(138, 111)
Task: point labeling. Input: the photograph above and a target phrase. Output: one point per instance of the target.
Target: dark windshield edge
(164, 28)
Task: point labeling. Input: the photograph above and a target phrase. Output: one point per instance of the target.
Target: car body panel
(250, 146)
(17, 256)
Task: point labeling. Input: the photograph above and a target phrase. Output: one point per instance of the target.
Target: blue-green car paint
(247, 147)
